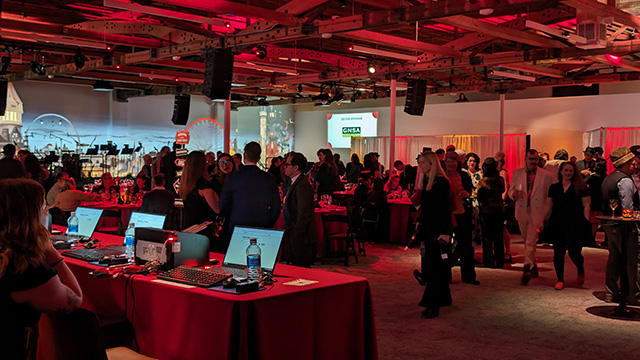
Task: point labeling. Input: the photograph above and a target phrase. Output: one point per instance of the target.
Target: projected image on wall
(342, 127)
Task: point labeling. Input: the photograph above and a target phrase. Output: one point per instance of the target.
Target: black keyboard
(194, 276)
(94, 254)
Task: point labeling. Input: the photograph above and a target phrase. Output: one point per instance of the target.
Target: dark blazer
(250, 197)
(11, 168)
(158, 201)
(298, 216)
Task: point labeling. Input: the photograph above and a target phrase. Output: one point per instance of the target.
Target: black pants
(560, 247)
(434, 271)
(623, 261)
(492, 240)
(463, 233)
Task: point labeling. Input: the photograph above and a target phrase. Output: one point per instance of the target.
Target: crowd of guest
(460, 198)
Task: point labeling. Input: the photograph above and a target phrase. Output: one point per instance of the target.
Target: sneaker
(580, 279)
(534, 271)
(559, 285)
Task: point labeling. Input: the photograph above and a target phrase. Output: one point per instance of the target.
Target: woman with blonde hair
(434, 233)
(33, 276)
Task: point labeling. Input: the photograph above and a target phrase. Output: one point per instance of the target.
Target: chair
(59, 217)
(77, 336)
(370, 217)
(111, 222)
(348, 236)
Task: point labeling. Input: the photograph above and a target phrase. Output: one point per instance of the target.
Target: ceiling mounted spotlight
(263, 102)
(79, 59)
(320, 97)
(375, 92)
(37, 68)
(260, 51)
(299, 88)
(6, 62)
(227, 24)
(338, 98)
(175, 57)
(371, 68)
(101, 85)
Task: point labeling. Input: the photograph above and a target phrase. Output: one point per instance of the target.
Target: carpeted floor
(499, 319)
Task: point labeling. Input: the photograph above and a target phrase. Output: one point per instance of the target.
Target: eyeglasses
(226, 162)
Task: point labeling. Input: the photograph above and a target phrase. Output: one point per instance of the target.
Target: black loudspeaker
(218, 73)
(181, 109)
(3, 96)
(416, 97)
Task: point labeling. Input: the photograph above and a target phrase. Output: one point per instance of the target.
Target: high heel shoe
(430, 313)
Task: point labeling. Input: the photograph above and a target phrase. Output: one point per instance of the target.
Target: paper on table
(300, 282)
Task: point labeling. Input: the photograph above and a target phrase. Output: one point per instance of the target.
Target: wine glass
(613, 204)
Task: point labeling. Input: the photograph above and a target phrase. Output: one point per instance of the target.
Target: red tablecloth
(399, 218)
(332, 319)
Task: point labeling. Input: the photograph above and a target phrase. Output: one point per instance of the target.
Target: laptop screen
(141, 219)
(268, 239)
(88, 219)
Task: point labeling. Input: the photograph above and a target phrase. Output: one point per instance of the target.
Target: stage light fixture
(299, 88)
(375, 92)
(260, 51)
(101, 85)
(227, 24)
(79, 59)
(320, 97)
(371, 68)
(6, 62)
(263, 102)
(338, 98)
(37, 68)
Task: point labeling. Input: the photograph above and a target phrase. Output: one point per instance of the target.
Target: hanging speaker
(181, 109)
(416, 97)
(218, 73)
(3, 96)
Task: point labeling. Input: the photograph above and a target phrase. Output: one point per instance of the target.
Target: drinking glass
(613, 204)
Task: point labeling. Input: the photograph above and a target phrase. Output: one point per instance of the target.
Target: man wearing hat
(623, 237)
(587, 164)
(10, 167)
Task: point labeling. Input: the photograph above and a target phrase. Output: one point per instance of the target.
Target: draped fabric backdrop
(611, 138)
(408, 147)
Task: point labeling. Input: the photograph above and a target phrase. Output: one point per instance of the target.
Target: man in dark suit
(250, 196)
(170, 168)
(158, 200)
(298, 213)
(10, 167)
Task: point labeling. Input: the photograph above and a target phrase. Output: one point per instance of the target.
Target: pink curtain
(408, 147)
(616, 137)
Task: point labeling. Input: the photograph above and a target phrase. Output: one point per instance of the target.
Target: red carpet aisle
(500, 319)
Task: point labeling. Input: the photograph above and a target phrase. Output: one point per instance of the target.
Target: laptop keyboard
(194, 276)
(93, 254)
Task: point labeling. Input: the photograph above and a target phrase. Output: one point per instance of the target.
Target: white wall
(553, 123)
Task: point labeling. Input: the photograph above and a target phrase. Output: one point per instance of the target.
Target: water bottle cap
(73, 213)
(132, 225)
(253, 241)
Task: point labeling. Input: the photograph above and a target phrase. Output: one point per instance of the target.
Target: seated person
(57, 187)
(107, 183)
(70, 198)
(158, 200)
(34, 278)
(140, 186)
(392, 187)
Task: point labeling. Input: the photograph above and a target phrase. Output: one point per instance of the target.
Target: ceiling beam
(534, 69)
(138, 28)
(469, 23)
(597, 8)
(401, 43)
(618, 61)
(228, 7)
(164, 13)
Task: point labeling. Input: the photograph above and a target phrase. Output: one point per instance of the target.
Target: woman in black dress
(327, 176)
(569, 220)
(34, 278)
(490, 190)
(200, 200)
(353, 169)
(434, 232)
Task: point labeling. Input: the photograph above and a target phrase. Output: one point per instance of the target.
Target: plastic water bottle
(130, 242)
(254, 270)
(72, 225)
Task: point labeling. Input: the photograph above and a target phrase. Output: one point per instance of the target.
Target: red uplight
(109, 48)
(176, 79)
(612, 58)
(227, 24)
(117, 66)
(351, 48)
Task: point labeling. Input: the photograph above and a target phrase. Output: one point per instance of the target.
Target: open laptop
(146, 220)
(269, 240)
(88, 220)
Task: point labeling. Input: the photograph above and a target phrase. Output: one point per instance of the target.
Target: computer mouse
(230, 283)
